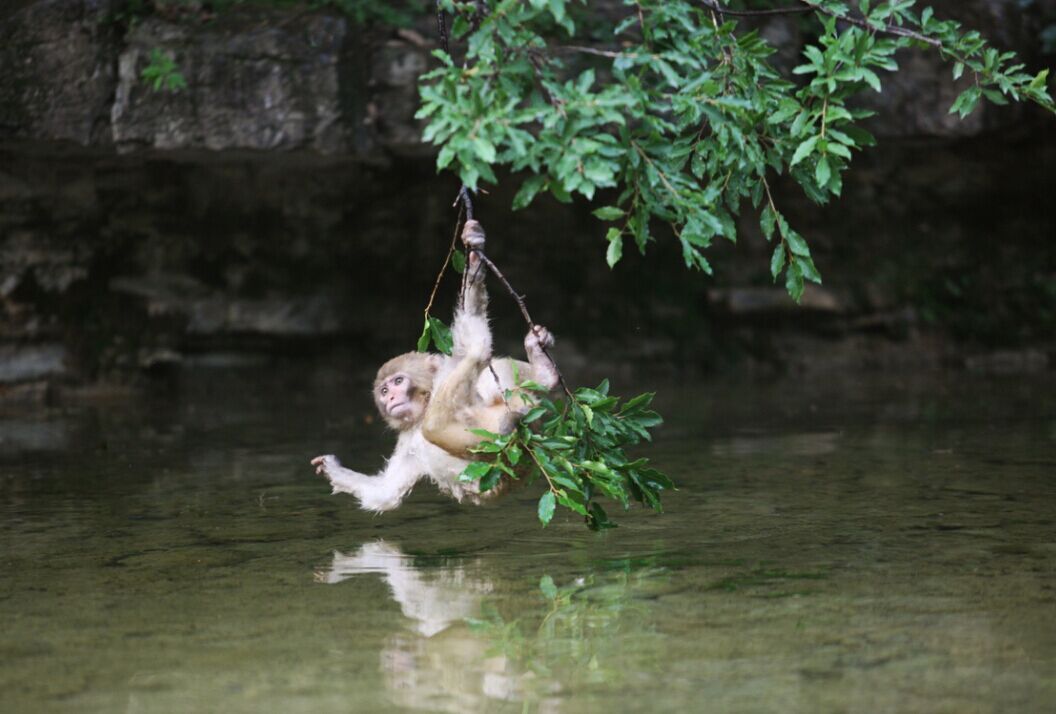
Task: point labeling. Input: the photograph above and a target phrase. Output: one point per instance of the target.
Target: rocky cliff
(282, 202)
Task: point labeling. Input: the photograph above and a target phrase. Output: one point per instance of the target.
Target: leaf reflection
(473, 640)
(583, 629)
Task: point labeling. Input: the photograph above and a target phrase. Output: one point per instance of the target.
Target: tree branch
(714, 6)
(524, 311)
(864, 24)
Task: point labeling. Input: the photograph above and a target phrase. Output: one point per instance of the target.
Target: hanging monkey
(433, 401)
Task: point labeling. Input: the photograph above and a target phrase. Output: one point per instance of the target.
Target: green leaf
(767, 221)
(797, 244)
(484, 149)
(490, 480)
(598, 519)
(474, 471)
(794, 281)
(822, 172)
(615, 250)
(533, 414)
(546, 507)
(441, 335)
(458, 261)
(528, 191)
(609, 213)
(777, 261)
(640, 402)
(871, 79)
(423, 341)
(588, 414)
(546, 585)
(804, 150)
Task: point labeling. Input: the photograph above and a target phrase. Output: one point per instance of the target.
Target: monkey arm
(475, 298)
(381, 492)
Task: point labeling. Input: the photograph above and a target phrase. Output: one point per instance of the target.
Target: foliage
(581, 636)
(684, 117)
(436, 332)
(161, 73)
(577, 446)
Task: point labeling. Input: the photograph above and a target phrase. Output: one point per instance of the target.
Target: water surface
(836, 547)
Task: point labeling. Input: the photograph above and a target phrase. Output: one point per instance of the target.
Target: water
(835, 547)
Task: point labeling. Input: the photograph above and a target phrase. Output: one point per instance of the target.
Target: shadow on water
(833, 547)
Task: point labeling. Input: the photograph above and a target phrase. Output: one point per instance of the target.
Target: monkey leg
(475, 298)
(543, 370)
(450, 412)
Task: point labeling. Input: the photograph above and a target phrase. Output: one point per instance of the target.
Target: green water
(835, 547)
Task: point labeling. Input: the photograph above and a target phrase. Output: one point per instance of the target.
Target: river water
(834, 547)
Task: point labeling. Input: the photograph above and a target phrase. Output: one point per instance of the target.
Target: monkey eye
(384, 391)
(398, 380)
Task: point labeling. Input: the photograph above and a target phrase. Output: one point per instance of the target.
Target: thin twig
(441, 28)
(715, 7)
(814, 7)
(466, 200)
(611, 54)
(889, 29)
(539, 466)
(524, 311)
(447, 260)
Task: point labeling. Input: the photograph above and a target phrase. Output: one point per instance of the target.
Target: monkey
(433, 400)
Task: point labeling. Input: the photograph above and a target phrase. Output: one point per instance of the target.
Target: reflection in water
(891, 551)
(433, 601)
(444, 665)
(464, 653)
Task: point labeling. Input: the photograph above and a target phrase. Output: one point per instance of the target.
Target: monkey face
(398, 398)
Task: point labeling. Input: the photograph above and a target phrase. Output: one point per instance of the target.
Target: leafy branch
(683, 119)
(577, 446)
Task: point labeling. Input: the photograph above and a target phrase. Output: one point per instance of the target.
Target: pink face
(396, 395)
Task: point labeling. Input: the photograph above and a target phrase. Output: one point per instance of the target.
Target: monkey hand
(538, 338)
(473, 235)
(326, 465)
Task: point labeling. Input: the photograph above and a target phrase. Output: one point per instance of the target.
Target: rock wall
(283, 203)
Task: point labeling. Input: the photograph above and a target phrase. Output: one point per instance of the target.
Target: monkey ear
(435, 362)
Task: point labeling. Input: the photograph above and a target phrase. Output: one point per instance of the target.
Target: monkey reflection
(450, 595)
(440, 664)
(433, 400)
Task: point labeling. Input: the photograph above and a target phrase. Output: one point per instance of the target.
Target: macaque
(433, 401)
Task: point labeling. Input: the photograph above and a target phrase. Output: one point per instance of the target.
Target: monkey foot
(538, 338)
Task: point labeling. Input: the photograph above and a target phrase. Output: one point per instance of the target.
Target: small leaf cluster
(682, 116)
(577, 448)
(161, 72)
(436, 332)
(581, 634)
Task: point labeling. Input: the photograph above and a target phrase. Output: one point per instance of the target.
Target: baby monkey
(433, 401)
